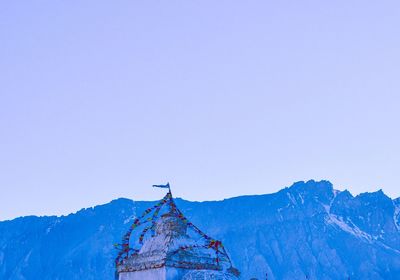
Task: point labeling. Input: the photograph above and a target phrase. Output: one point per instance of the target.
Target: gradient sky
(101, 99)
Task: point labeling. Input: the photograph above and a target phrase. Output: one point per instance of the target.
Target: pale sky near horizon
(102, 99)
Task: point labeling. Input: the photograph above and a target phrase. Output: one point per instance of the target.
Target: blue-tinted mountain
(307, 230)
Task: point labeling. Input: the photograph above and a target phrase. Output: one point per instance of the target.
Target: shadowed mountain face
(309, 229)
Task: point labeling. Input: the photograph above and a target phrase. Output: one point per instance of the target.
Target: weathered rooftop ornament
(162, 244)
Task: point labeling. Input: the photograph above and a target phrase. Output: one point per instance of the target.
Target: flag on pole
(162, 186)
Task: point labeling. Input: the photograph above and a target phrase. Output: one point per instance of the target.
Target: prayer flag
(162, 186)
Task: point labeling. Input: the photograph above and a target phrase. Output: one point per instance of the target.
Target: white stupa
(169, 247)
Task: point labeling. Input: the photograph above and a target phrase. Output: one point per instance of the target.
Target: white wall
(152, 274)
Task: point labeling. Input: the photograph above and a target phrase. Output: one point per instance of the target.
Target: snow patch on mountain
(396, 216)
(129, 219)
(291, 198)
(349, 227)
(49, 229)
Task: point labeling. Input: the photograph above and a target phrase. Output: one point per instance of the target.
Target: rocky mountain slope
(307, 230)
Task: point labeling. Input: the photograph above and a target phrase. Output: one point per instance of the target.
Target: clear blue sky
(101, 99)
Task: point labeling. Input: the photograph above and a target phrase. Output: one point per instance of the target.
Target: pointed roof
(163, 236)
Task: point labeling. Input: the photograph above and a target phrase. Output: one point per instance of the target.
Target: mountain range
(306, 231)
